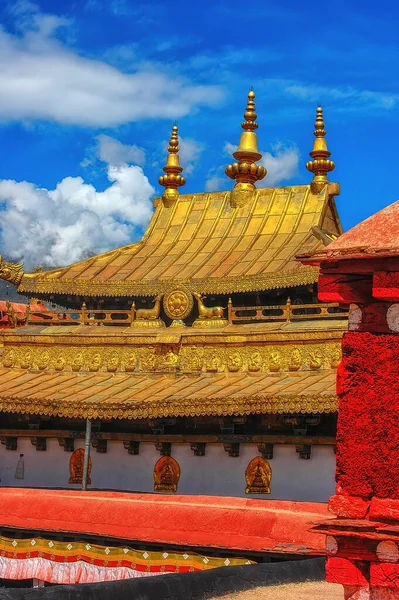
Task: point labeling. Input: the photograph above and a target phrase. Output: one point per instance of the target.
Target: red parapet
(251, 525)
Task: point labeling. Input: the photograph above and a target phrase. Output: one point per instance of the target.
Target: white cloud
(42, 79)
(113, 152)
(281, 164)
(190, 152)
(214, 183)
(64, 225)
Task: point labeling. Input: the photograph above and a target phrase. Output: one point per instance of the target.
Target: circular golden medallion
(178, 304)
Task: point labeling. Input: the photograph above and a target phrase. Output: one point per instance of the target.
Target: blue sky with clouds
(89, 91)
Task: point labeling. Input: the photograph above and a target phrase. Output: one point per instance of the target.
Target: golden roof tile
(138, 396)
(203, 242)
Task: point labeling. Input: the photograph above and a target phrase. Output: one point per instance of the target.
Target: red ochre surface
(368, 422)
(205, 521)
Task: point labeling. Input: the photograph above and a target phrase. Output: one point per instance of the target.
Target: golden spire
(172, 180)
(320, 165)
(246, 172)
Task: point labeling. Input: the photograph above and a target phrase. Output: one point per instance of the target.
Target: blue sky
(89, 91)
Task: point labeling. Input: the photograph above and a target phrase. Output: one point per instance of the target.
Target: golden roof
(104, 372)
(139, 396)
(208, 245)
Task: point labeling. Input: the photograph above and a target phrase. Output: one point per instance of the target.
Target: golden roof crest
(246, 172)
(320, 165)
(172, 179)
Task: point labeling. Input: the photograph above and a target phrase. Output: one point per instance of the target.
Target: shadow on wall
(187, 586)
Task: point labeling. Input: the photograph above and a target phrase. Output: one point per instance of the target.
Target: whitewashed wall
(213, 474)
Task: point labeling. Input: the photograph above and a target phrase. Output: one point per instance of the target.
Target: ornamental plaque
(178, 303)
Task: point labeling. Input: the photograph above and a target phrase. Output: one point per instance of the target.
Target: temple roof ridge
(203, 242)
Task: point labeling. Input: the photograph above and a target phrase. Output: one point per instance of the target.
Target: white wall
(213, 474)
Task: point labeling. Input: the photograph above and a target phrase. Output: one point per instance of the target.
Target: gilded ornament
(295, 360)
(246, 172)
(9, 359)
(274, 362)
(178, 304)
(95, 363)
(214, 364)
(171, 358)
(166, 474)
(44, 360)
(172, 178)
(315, 360)
(131, 363)
(11, 272)
(59, 364)
(234, 362)
(320, 165)
(77, 363)
(335, 358)
(26, 360)
(204, 312)
(113, 363)
(255, 362)
(148, 313)
(258, 476)
(14, 319)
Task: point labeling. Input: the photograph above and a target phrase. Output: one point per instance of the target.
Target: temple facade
(195, 361)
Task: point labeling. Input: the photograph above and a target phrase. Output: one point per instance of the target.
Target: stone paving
(295, 591)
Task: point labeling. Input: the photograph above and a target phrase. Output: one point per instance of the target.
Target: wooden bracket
(11, 443)
(40, 443)
(164, 448)
(266, 450)
(132, 447)
(100, 445)
(67, 443)
(198, 448)
(232, 449)
(304, 451)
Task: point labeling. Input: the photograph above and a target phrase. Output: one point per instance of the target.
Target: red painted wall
(368, 421)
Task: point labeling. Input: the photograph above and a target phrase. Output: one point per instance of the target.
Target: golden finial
(172, 180)
(246, 172)
(320, 165)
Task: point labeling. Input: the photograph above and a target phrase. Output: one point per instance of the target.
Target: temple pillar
(361, 269)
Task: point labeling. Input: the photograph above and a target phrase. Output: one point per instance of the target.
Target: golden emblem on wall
(178, 304)
(166, 474)
(131, 362)
(26, 360)
(95, 362)
(255, 362)
(77, 363)
(9, 359)
(295, 360)
(59, 363)
(258, 476)
(274, 362)
(113, 363)
(44, 360)
(76, 467)
(234, 362)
